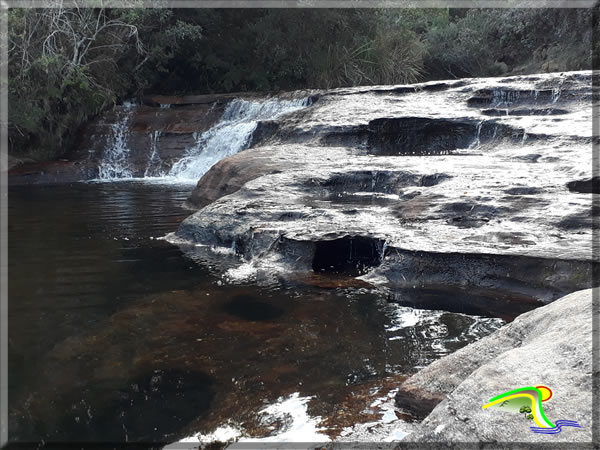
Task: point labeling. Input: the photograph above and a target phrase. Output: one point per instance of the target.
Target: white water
(229, 136)
(296, 425)
(115, 159)
(292, 412)
(153, 169)
(232, 134)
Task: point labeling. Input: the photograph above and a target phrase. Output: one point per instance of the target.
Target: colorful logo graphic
(528, 401)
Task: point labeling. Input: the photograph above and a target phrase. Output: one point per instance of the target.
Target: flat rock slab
(444, 193)
(550, 346)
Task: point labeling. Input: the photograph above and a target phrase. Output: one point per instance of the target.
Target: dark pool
(115, 336)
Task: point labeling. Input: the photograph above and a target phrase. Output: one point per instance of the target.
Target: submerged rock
(550, 346)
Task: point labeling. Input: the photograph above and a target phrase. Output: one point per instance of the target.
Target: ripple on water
(118, 335)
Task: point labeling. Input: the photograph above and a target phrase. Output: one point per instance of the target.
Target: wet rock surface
(416, 190)
(588, 186)
(167, 124)
(53, 172)
(497, 207)
(550, 346)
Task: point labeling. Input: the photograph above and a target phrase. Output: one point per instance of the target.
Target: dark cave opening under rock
(351, 255)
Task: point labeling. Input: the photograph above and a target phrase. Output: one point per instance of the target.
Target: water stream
(232, 134)
(116, 336)
(115, 160)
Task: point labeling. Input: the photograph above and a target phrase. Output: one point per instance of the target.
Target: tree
(63, 67)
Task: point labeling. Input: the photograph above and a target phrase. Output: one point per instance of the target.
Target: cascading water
(477, 142)
(231, 135)
(153, 169)
(115, 159)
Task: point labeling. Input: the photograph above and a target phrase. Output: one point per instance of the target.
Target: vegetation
(67, 65)
(526, 411)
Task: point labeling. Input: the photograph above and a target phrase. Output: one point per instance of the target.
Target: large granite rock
(550, 346)
(479, 186)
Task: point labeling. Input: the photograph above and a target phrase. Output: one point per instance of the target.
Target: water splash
(229, 136)
(115, 159)
(153, 169)
(232, 134)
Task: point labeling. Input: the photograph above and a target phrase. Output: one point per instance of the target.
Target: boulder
(550, 346)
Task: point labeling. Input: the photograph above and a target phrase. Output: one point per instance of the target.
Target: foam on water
(291, 411)
(224, 433)
(115, 159)
(300, 426)
(232, 134)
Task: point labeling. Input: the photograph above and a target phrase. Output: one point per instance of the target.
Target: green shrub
(63, 70)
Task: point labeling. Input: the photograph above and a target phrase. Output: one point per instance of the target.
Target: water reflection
(116, 336)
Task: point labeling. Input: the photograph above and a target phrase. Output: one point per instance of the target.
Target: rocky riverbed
(482, 186)
(471, 196)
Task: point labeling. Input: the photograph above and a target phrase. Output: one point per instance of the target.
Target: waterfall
(229, 136)
(232, 134)
(153, 169)
(503, 97)
(115, 159)
(477, 142)
(556, 94)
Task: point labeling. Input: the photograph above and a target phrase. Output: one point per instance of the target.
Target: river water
(116, 336)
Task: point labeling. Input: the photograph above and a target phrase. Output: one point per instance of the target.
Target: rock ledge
(550, 346)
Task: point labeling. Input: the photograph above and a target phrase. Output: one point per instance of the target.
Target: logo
(528, 401)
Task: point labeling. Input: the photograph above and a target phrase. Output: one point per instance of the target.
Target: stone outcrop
(550, 346)
(418, 186)
(231, 174)
(476, 187)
